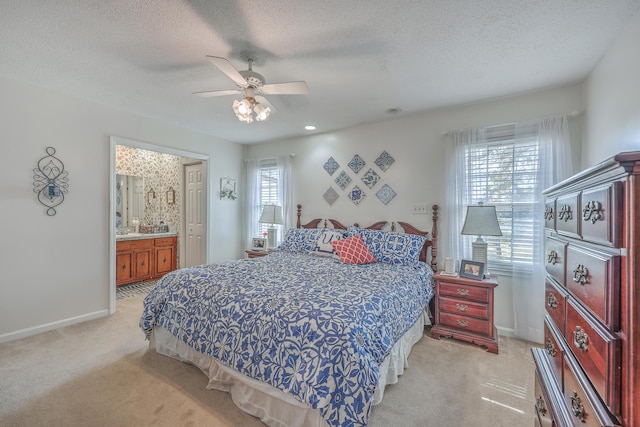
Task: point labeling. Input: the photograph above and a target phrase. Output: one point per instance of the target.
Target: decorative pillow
(300, 239)
(352, 250)
(391, 247)
(323, 245)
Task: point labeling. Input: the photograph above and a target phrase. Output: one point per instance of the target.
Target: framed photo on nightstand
(258, 244)
(472, 269)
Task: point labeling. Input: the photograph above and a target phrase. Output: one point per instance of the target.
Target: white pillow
(323, 245)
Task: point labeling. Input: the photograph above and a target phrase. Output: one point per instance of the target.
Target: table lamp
(481, 221)
(271, 214)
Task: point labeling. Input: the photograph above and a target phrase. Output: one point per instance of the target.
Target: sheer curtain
(553, 164)
(252, 212)
(283, 163)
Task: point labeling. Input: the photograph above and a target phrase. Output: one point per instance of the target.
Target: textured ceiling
(359, 58)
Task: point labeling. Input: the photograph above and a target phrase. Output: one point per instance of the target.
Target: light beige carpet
(101, 373)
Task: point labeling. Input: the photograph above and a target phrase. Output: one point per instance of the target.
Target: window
(503, 170)
(269, 185)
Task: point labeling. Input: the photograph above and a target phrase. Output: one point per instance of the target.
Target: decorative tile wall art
(357, 195)
(370, 178)
(331, 166)
(386, 194)
(356, 164)
(343, 180)
(330, 196)
(384, 161)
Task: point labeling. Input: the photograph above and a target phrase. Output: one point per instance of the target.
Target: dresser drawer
(543, 415)
(469, 293)
(568, 214)
(555, 303)
(592, 278)
(555, 259)
(552, 348)
(601, 214)
(597, 350)
(464, 307)
(580, 400)
(465, 323)
(550, 214)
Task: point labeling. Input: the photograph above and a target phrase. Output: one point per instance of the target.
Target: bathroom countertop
(140, 236)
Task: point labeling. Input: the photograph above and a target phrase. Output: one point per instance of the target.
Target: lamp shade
(271, 214)
(481, 221)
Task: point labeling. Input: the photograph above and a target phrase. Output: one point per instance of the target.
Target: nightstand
(252, 253)
(464, 310)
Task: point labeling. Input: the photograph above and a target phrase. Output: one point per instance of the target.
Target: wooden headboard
(431, 242)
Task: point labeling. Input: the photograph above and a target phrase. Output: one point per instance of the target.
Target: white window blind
(269, 185)
(504, 171)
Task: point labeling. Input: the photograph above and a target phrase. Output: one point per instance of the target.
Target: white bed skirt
(274, 407)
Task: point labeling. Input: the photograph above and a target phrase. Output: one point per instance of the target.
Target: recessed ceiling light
(310, 127)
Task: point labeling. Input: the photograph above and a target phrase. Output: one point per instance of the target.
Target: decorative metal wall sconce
(171, 196)
(50, 181)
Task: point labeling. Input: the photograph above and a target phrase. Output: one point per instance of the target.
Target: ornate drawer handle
(552, 258)
(565, 213)
(581, 274)
(142, 264)
(576, 406)
(552, 301)
(580, 339)
(462, 307)
(124, 267)
(551, 349)
(591, 211)
(462, 323)
(540, 408)
(548, 213)
(462, 292)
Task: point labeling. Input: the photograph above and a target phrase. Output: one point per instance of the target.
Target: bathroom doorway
(166, 199)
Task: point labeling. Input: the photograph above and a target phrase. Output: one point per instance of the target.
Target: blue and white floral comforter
(307, 325)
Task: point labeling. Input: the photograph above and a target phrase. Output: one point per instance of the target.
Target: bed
(310, 334)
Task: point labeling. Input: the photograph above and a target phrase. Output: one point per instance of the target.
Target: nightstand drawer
(469, 293)
(465, 323)
(464, 307)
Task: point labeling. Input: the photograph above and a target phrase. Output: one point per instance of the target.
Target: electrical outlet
(420, 209)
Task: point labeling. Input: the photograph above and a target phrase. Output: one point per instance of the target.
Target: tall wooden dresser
(588, 371)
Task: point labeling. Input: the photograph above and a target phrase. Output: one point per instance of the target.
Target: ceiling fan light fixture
(242, 108)
(262, 112)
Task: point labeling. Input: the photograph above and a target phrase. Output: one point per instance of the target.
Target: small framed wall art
(228, 188)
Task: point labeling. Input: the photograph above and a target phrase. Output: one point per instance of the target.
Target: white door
(195, 215)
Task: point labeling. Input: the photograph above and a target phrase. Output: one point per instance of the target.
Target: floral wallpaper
(160, 171)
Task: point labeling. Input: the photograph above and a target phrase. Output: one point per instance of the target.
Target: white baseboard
(22, 333)
(505, 332)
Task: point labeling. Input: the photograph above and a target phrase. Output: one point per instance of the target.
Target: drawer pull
(565, 213)
(581, 274)
(548, 213)
(552, 258)
(580, 339)
(124, 267)
(551, 349)
(462, 292)
(540, 408)
(462, 307)
(552, 301)
(576, 406)
(591, 211)
(462, 323)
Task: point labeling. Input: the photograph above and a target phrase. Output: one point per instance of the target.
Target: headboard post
(434, 237)
(299, 214)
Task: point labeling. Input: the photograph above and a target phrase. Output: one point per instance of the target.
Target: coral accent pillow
(353, 251)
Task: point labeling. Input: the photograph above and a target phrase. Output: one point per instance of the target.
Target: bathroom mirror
(129, 199)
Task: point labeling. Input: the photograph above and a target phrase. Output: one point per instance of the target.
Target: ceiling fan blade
(290, 88)
(262, 100)
(212, 93)
(227, 68)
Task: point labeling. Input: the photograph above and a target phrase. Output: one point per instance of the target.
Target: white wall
(55, 270)
(418, 175)
(612, 94)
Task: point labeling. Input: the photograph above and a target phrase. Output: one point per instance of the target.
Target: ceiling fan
(251, 85)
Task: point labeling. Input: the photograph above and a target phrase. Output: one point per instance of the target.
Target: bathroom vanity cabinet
(145, 258)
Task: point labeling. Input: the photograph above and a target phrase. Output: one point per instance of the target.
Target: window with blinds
(504, 172)
(269, 186)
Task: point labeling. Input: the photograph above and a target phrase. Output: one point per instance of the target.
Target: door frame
(117, 140)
